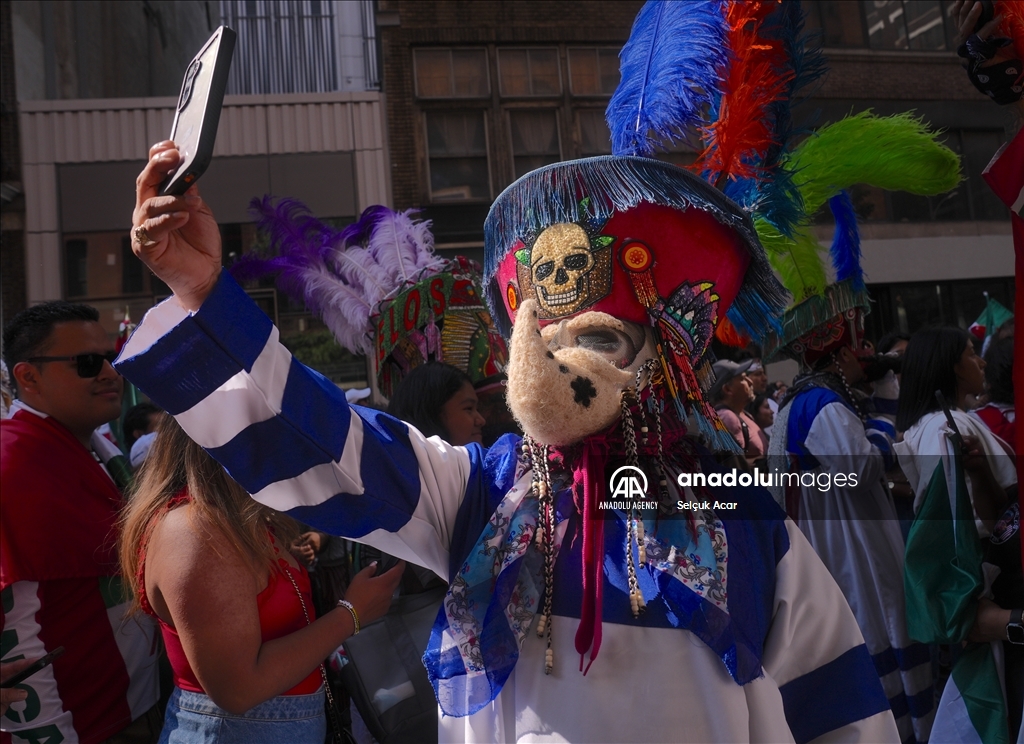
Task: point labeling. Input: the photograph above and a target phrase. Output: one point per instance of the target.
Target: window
(595, 139)
(593, 72)
(457, 152)
(534, 139)
(529, 72)
(886, 25)
(132, 274)
(76, 271)
(451, 73)
(909, 307)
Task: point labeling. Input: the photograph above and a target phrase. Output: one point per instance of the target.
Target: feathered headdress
(341, 276)
(380, 289)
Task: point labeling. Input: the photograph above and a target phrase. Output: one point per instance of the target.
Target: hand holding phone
(24, 674)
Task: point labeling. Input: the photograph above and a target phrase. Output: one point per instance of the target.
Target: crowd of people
(847, 566)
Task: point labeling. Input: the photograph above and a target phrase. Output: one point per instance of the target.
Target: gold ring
(142, 237)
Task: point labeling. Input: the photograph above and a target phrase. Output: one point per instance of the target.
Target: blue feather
(845, 248)
(777, 198)
(670, 71)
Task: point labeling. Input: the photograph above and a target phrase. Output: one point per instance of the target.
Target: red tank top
(280, 614)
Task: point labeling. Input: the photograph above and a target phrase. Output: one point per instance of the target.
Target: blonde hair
(176, 463)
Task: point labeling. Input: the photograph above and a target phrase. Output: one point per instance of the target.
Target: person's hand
(371, 595)
(965, 15)
(302, 551)
(989, 622)
(184, 248)
(12, 694)
(313, 539)
(974, 455)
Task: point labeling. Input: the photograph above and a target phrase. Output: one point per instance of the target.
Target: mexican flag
(993, 316)
(943, 580)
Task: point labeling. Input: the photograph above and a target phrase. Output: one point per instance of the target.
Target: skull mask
(560, 260)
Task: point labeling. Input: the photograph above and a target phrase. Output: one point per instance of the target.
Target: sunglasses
(88, 365)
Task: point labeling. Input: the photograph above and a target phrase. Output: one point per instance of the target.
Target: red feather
(726, 333)
(1012, 25)
(757, 76)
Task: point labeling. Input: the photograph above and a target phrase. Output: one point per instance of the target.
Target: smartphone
(24, 674)
(195, 122)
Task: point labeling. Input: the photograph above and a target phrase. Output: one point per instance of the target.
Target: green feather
(798, 261)
(896, 153)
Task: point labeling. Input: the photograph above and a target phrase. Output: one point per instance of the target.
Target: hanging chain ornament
(544, 537)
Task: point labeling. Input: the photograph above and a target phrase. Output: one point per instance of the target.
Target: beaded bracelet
(352, 611)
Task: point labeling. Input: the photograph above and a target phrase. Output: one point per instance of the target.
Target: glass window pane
(887, 28)
(595, 139)
(514, 69)
(457, 146)
(529, 72)
(433, 73)
(841, 21)
(534, 139)
(132, 277)
(76, 267)
(470, 73)
(593, 72)
(584, 72)
(609, 59)
(545, 78)
(924, 24)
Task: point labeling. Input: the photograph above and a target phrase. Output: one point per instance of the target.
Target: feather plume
(331, 272)
(896, 153)
(403, 247)
(776, 197)
(796, 259)
(1012, 25)
(669, 73)
(845, 248)
(757, 76)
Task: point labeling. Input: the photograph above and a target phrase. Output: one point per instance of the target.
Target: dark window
(595, 139)
(132, 274)
(451, 73)
(529, 72)
(76, 267)
(885, 25)
(909, 307)
(534, 139)
(593, 71)
(457, 150)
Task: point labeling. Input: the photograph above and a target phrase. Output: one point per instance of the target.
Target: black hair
(928, 366)
(755, 405)
(889, 340)
(138, 418)
(28, 332)
(422, 393)
(999, 372)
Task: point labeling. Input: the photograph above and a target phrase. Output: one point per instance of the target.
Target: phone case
(198, 113)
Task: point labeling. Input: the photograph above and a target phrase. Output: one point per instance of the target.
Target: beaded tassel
(544, 537)
(636, 597)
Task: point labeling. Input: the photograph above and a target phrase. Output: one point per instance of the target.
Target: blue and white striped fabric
(287, 435)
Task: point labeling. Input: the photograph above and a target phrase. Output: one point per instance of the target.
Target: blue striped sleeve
(839, 693)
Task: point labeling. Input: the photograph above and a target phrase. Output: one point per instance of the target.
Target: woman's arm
(207, 591)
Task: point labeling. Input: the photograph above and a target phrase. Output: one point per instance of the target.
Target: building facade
(97, 84)
(480, 92)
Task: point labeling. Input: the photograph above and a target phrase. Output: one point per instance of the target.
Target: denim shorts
(193, 718)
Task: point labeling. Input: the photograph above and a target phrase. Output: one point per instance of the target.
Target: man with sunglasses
(59, 576)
